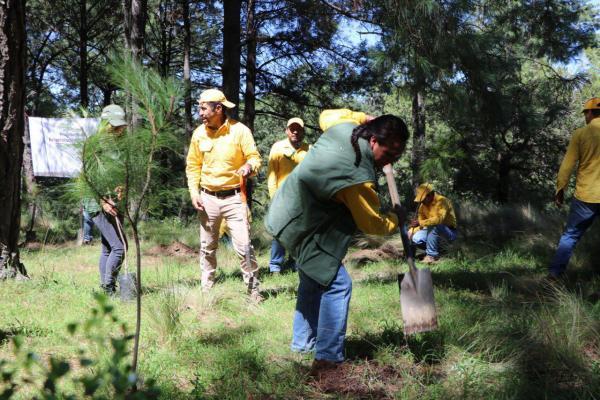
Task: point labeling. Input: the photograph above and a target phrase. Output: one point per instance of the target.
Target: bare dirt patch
(387, 251)
(175, 249)
(359, 380)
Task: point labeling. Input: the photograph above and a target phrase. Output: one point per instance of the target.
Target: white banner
(53, 141)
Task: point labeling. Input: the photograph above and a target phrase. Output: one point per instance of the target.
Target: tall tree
(12, 101)
(232, 52)
(136, 13)
(187, 50)
(250, 92)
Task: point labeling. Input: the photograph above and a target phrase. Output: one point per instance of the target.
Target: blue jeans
(321, 316)
(430, 238)
(112, 251)
(581, 216)
(278, 258)
(88, 225)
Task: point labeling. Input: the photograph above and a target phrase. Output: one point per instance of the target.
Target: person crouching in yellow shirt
(285, 155)
(436, 221)
(222, 151)
(583, 150)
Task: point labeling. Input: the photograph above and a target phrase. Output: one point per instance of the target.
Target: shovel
(248, 249)
(416, 288)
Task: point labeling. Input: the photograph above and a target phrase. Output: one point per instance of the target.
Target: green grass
(503, 333)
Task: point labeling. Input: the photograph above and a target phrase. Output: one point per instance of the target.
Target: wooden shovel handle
(243, 189)
(391, 182)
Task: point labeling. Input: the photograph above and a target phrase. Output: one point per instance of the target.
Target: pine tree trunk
(231, 53)
(83, 55)
(12, 98)
(418, 150)
(250, 93)
(187, 46)
(135, 12)
(504, 167)
(30, 186)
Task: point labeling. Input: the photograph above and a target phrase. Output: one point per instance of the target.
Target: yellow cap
(295, 120)
(592, 104)
(215, 96)
(423, 190)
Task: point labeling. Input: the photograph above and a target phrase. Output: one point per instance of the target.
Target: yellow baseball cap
(295, 120)
(423, 190)
(592, 104)
(215, 96)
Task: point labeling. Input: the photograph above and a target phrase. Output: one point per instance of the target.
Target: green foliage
(129, 160)
(100, 376)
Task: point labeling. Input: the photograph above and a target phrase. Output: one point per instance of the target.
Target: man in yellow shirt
(584, 148)
(285, 155)
(222, 152)
(436, 221)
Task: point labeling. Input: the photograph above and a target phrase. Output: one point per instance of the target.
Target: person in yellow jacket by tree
(222, 151)
(285, 155)
(584, 149)
(436, 221)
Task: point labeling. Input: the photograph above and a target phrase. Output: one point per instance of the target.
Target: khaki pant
(234, 211)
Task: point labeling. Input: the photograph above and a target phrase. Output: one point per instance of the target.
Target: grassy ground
(503, 333)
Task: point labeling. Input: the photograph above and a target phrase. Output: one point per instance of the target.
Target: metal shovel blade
(417, 301)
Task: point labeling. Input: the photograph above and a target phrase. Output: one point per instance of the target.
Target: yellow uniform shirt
(362, 199)
(215, 156)
(439, 211)
(283, 158)
(363, 203)
(329, 118)
(584, 148)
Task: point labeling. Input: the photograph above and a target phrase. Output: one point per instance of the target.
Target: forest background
(490, 91)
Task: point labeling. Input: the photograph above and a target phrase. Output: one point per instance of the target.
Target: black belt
(221, 194)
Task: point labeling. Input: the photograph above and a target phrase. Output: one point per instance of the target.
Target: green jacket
(303, 215)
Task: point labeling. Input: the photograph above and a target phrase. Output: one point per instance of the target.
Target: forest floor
(504, 331)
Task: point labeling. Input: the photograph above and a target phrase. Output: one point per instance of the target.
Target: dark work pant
(111, 255)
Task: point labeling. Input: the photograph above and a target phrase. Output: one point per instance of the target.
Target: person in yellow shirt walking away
(584, 148)
(285, 155)
(436, 221)
(222, 152)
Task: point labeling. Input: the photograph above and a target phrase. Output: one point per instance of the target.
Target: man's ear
(372, 141)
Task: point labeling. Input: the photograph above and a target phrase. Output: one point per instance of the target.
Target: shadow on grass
(29, 331)
(425, 347)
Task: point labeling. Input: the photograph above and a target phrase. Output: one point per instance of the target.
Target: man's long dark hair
(385, 128)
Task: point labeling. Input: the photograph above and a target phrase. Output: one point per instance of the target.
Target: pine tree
(128, 161)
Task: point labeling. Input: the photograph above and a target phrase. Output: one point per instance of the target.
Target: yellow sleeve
(249, 149)
(273, 170)
(329, 118)
(438, 217)
(193, 167)
(568, 162)
(363, 203)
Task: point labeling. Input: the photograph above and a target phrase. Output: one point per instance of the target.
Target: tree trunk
(504, 167)
(187, 46)
(12, 100)
(106, 96)
(30, 185)
(418, 150)
(250, 94)
(83, 55)
(231, 53)
(135, 12)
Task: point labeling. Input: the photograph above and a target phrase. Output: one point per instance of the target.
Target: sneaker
(255, 296)
(431, 259)
(87, 242)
